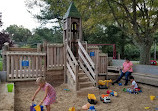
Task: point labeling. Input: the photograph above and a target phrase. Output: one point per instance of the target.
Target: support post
(39, 48)
(77, 68)
(65, 60)
(96, 67)
(4, 50)
(155, 51)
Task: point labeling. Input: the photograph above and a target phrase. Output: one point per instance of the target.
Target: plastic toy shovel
(37, 108)
(32, 107)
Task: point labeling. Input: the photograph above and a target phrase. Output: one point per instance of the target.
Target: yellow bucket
(152, 97)
(72, 109)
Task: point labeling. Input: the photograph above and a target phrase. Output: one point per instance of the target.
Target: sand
(6, 98)
(66, 99)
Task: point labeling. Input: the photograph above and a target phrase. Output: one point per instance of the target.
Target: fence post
(4, 49)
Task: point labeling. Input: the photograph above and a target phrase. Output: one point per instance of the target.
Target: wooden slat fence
(25, 65)
(55, 56)
(103, 59)
(103, 62)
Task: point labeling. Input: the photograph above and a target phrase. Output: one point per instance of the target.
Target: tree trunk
(144, 54)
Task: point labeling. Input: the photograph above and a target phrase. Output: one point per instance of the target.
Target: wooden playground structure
(73, 62)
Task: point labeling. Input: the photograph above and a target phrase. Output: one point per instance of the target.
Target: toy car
(105, 98)
(92, 99)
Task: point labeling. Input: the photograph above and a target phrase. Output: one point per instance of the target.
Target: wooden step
(80, 71)
(83, 79)
(81, 74)
(85, 84)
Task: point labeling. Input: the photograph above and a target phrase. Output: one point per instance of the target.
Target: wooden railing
(55, 56)
(25, 65)
(72, 66)
(87, 63)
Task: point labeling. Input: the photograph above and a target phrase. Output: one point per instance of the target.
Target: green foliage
(45, 34)
(19, 34)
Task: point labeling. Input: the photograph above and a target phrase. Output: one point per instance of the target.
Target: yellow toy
(146, 107)
(37, 108)
(91, 96)
(72, 109)
(105, 82)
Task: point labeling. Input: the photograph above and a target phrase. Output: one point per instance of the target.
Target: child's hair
(40, 80)
(131, 77)
(127, 59)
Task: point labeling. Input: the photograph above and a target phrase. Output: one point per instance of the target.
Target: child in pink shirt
(126, 71)
(50, 93)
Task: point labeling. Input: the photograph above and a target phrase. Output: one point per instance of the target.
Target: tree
(19, 34)
(141, 19)
(4, 37)
(45, 34)
(136, 18)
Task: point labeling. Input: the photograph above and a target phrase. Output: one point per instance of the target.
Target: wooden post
(45, 46)
(65, 59)
(96, 67)
(77, 68)
(118, 56)
(4, 49)
(39, 48)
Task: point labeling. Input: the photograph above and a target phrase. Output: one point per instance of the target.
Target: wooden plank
(16, 66)
(37, 62)
(40, 66)
(58, 56)
(12, 66)
(55, 45)
(8, 67)
(25, 72)
(88, 66)
(23, 49)
(71, 72)
(44, 68)
(86, 54)
(48, 57)
(33, 66)
(25, 54)
(20, 61)
(55, 56)
(71, 55)
(52, 57)
(29, 69)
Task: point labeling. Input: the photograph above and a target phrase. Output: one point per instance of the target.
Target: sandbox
(6, 98)
(66, 99)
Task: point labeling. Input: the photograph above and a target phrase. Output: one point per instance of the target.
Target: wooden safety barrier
(25, 66)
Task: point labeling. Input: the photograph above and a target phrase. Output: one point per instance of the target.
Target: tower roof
(72, 12)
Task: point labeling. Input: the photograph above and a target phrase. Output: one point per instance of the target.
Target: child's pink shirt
(126, 67)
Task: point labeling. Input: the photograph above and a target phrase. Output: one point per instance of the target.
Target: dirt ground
(66, 99)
